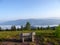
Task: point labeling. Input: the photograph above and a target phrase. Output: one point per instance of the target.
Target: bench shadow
(10, 40)
(15, 40)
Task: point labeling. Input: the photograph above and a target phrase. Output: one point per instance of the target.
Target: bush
(57, 32)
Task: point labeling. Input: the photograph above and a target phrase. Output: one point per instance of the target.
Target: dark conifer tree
(28, 26)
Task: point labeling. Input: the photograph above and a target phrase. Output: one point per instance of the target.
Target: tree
(0, 29)
(38, 28)
(57, 32)
(22, 28)
(13, 28)
(48, 27)
(18, 29)
(41, 28)
(28, 26)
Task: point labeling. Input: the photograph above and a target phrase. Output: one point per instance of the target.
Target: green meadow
(45, 37)
(15, 34)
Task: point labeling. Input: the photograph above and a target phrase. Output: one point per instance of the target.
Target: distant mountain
(33, 22)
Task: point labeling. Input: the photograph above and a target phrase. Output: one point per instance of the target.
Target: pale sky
(26, 9)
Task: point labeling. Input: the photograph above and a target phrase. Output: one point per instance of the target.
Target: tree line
(28, 27)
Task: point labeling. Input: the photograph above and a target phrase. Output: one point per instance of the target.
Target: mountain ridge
(32, 21)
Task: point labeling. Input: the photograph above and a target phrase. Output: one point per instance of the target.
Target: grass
(40, 36)
(9, 34)
(15, 34)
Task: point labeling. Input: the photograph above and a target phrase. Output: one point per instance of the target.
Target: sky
(27, 9)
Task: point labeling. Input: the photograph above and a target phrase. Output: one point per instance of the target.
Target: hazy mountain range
(32, 22)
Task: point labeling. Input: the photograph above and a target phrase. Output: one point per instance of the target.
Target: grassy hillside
(15, 34)
(43, 37)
